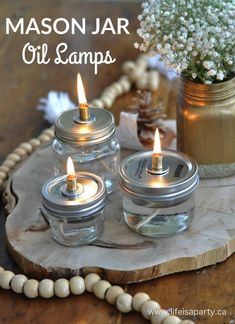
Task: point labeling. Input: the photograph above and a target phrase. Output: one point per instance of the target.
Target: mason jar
(206, 126)
(92, 145)
(75, 219)
(158, 205)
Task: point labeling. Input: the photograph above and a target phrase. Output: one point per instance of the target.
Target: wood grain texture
(210, 239)
(20, 88)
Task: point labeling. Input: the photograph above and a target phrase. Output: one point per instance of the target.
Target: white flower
(208, 64)
(189, 29)
(220, 75)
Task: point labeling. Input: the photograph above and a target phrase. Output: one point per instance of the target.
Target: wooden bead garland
(135, 72)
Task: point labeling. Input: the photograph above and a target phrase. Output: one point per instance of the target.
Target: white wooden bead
(97, 103)
(21, 152)
(30, 288)
(136, 75)
(49, 132)
(9, 163)
(90, 280)
(118, 88)
(35, 142)
(112, 294)
(142, 58)
(77, 285)
(126, 85)
(4, 169)
(17, 283)
(139, 299)
(111, 91)
(171, 320)
(187, 322)
(62, 288)
(107, 102)
(1, 269)
(124, 303)
(43, 138)
(46, 288)
(27, 147)
(128, 67)
(152, 85)
(14, 157)
(5, 279)
(159, 316)
(141, 64)
(100, 288)
(142, 83)
(148, 308)
(3, 175)
(108, 95)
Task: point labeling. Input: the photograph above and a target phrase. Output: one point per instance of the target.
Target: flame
(70, 167)
(157, 144)
(80, 89)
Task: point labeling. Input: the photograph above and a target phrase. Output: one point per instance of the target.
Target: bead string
(115, 295)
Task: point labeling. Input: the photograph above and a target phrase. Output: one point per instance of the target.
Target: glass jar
(75, 219)
(92, 145)
(158, 205)
(206, 126)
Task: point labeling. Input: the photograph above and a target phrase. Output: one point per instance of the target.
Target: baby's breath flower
(195, 38)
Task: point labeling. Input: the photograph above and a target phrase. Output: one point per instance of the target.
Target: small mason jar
(75, 219)
(92, 145)
(158, 205)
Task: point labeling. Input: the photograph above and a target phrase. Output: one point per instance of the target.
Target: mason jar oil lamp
(73, 205)
(158, 191)
(88, 136)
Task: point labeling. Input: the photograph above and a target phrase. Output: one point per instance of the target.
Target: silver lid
(179, 182)
(99, 128)
(92, 198)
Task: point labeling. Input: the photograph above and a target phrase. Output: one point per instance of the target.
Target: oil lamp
(159, 188)
(87, 135)
(73, 204)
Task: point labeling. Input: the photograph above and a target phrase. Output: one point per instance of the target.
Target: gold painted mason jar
(206, 126)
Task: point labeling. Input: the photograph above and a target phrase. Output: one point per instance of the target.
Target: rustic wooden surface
(209, 240)
(20, 87)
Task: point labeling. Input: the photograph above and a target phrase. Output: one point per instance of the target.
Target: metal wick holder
(72, 193)
(163, 170)
(78, 120)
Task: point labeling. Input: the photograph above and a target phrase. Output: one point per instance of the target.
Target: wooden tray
(120, 256)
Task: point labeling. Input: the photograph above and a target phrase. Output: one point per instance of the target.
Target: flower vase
(206, 126)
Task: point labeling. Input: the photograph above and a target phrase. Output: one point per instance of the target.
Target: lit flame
(157, 144)
(80, 89)
(70, 167)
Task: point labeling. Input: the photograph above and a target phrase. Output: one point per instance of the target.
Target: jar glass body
(101, 159)
(156, 219)
(206, 126)
(77, 230)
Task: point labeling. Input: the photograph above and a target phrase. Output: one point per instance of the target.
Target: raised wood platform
(120, 255)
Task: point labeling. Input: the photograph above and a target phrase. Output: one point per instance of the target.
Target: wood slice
(120, 256)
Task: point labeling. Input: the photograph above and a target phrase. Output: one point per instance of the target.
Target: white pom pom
(54, 104)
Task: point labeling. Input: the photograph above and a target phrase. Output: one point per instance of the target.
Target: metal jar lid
(175, 185)
(91, 200)
(99, 128)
